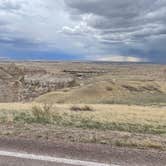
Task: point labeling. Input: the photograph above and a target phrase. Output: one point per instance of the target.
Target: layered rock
(20, 84)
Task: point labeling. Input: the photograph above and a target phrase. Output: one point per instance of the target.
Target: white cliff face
(17, 85)
(40, 84)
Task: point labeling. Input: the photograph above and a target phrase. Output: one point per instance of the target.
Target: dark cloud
(93, 28)
(126, 22)
(110, 13)
(19, 42)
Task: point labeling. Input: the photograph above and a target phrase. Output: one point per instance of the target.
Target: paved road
(23, 152)
(6, 161)
(12, 158)
(9, 161)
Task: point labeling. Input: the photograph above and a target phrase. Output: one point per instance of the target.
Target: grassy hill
(110, 92)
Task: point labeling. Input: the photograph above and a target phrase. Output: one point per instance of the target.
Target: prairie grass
(106, 91)
(137, 119)
(146, 126)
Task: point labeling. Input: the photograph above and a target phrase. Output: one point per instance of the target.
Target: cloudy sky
(121, 30)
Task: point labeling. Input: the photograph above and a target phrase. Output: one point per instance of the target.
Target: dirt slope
(110, 92)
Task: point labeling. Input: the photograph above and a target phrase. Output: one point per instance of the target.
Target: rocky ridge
(21, 84)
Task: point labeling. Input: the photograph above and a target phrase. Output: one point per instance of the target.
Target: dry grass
(120, 125)
(153, 117)
(103, 112)
(53, 133)
(110, 92)
(16, 106)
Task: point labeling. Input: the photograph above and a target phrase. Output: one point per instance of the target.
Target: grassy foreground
(136, 126)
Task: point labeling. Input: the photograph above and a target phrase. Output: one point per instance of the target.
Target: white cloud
(119, 58)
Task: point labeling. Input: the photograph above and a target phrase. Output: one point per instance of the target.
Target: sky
(98, 30)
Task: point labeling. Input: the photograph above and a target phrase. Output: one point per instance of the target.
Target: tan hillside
(110, 92)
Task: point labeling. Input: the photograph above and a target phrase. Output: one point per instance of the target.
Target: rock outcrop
(20, 84)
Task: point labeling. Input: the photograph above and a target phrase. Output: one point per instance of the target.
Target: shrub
(109, 88)
(81, 108)
(42, 114)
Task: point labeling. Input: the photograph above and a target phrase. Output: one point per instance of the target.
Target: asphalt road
(13, 158)
(9, 161)
(23, 152)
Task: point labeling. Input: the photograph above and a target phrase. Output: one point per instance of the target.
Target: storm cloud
(96, 29)
(128, 25)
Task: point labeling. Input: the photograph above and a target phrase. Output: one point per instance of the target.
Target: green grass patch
(38, 115)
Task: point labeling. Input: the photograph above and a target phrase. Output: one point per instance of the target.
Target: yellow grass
(110, 92)
(124, 114)
(138, 116)
(104, 113)
(16, 106)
